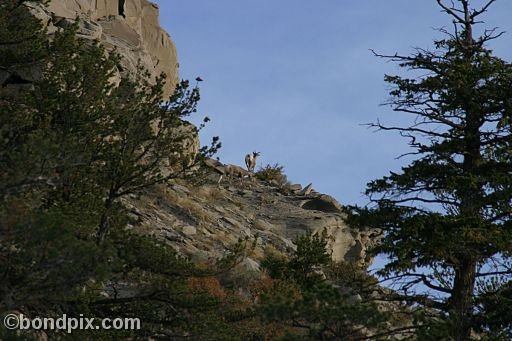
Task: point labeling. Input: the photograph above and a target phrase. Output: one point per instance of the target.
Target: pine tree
(314, 298)
(23, 45)
(446, 215)
(71, 146)
(27, 45)
(47, 253)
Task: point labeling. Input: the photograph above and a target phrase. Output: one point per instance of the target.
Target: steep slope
(205, 220)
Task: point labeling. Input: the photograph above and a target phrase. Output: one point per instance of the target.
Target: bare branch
(428, 201)
(452, 11)
(489, 35)
(411, 129)
(422, 278)
(494, 273)
(432, 116)
(482, 10)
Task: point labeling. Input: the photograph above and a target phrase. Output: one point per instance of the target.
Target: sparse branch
(428, 65)
(432, 116)
(420, 199)
(451, 11)
(414, 299)
(379, 126)
(482, 10)
(494, 273)
(422, 278)
(489, 34)
(459, 99)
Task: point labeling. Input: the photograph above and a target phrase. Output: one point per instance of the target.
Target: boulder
(307, 190)
(324, 203)
(292, 188)
(189, 230)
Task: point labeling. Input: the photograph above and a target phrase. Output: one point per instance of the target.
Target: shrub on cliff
(272, 174)
(314, 297)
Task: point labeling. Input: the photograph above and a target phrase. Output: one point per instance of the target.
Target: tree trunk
(104, 225)
(462, 300)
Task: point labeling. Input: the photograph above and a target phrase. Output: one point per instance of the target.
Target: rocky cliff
(130, 26)
(204, 220)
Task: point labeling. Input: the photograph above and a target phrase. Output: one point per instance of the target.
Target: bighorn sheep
(235, 171)
(228, 170)
(250, 161)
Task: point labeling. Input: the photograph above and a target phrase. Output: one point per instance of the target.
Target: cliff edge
(204, 220)
(131, 27)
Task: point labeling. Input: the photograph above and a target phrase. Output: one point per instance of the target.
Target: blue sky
(295, 79)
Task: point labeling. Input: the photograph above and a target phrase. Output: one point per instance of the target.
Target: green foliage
(305, 265)
(309, 258)
(27, 45)
(71, 146)
(448, 211)
(319, 299)
(272, 173)
(46, 231)
(494, 310)
(161, 294)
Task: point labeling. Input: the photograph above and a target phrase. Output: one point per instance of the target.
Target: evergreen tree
(23, 46)
(317, 299)
(446, 215)
(71, 146)
(27, 45)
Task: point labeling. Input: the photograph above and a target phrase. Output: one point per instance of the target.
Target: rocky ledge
(203, 221)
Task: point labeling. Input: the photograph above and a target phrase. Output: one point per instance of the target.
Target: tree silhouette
(446, 215)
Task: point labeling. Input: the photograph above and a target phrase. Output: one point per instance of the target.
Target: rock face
(205, 220)
(185, 134)
(130, 26)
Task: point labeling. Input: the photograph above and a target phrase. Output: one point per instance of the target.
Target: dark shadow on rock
(323, 204)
